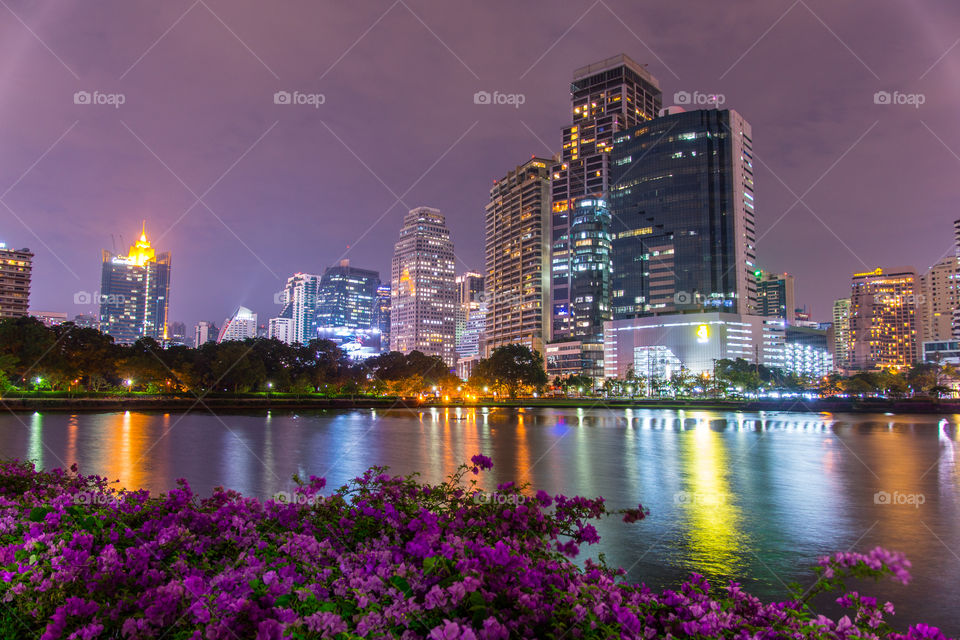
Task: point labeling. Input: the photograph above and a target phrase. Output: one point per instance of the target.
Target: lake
(749, 497)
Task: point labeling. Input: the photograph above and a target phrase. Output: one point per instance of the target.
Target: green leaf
(37, 514)
(283, 601)
(402, 585)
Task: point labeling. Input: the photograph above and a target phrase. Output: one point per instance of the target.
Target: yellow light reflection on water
(127, 449)
(710, 516)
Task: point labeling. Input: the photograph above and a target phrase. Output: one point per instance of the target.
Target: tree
(512, 368)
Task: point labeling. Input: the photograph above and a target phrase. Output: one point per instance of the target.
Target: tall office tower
(518, 257)
(841, 333)
(423, 291)
(15, 269)
(469, 298)
(135, 293)
(607, 98)
(299, 300)
(241, 325)
(683, 188)
(775, 296)
(939, 300)
(203, 333)
(383, 316)
(883, 318)
(347, 297)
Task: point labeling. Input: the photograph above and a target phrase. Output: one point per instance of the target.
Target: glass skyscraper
(135, 293)
(607, 98)
(347, 297)
(683, 215)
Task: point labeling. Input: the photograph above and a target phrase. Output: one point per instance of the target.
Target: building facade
(883, 319)
(383, 316)
(423, 292)
(241, 325)
(939, 300)
(607, 98)
(807, 352)
(841, 333)
(776, 297)
(281, 329)
(683, 232)
(299, 300)
(135, 293)
(347, 298)
(517, 257)
(204, 332)
(470, 295)
(16, 267)
(656, 346)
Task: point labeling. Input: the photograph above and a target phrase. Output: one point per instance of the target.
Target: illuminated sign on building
(703, 334)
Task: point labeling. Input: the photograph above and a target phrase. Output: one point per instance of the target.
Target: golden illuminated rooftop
(141, 252)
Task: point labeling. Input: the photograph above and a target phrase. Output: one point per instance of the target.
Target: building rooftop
(621, 60)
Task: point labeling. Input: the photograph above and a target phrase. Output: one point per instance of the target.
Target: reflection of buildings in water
(72, 428)
(707, 507)
(35, 447)
(946, 465)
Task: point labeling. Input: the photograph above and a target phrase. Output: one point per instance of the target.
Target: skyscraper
(203, 333)
(299, 300)
(15, 269)
(841, 333)
(940, 289)
(775, 296)
(383, 316)
(683, 215)
(241, 325)
(883, 318)
(423, 291)
(607, 98)
(470, 297)
(347, 297)
(135, 293)
(518, 257)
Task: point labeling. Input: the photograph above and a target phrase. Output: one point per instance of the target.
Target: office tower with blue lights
(607, 98)
(135, 293)
(347, 297)
(682, 204)
(383, 316)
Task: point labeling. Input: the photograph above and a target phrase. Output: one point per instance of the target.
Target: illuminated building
(49, 318)
(653, 345)
(470, 297)
(299, 300)
(841, 333)
(940, 288)
(883, 319)
(240, 326)
(423, 291)
(942, 352)
(347, 298)
(607, 98)
(15, 270)
(383, 316)
(135, 293)
(807, 352)
(203, 333)
(775, 296)
(517, 257)
(683, 230)
(281, 329)
(574, 357)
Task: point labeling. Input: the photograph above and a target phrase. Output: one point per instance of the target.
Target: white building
(203, 333)
(299, 300)
(423, 304)
(659, 345)
(240, 326)
(281, 329)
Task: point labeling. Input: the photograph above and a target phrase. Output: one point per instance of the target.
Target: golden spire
(141, 252)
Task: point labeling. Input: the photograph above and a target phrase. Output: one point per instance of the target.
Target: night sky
(244, 192)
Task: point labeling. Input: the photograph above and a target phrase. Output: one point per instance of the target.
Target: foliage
(510, 369)
(383, 556)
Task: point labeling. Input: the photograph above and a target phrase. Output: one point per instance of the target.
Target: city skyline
(58, 153)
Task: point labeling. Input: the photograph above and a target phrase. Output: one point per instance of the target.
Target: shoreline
(259, 403)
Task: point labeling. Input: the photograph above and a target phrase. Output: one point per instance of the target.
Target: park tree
(511, 368)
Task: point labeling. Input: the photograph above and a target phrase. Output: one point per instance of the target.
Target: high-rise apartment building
(470, 296)
(423, 290)
(15, 270)
(607, 97)
(241, 325)
(775, 296)
(883, 318)
(383, 316)
(841, 333)
(281, 329)
(299, 300)
(135, 293)
(683, 230)
(347, 297)
(939, 299)
(518, 257)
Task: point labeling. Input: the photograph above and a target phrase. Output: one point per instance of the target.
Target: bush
(381, 556)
